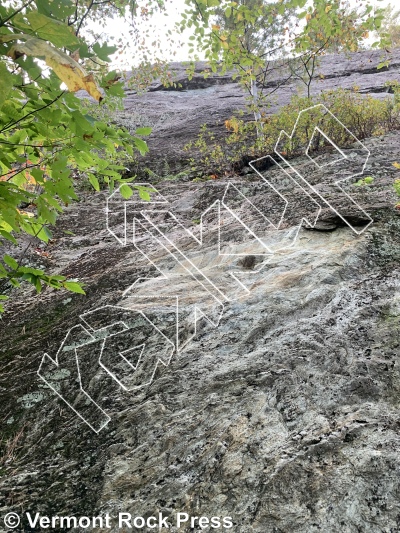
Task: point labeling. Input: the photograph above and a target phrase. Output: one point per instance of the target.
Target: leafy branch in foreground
(46, 132)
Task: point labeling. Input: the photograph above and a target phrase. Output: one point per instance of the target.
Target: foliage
(353, 25)
(390, 27)
(247, 35)
(364, 116)
(141, 78)
(365, 182)
(394, 87)
(396, 184)
(222, 155)
(337, 25)
(46, 132)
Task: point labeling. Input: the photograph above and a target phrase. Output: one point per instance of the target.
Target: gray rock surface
(284, 417)
(177, 114)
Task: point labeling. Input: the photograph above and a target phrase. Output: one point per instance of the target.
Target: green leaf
(383, 64)
(126, 191)
(116, 90)
(52, 30)
(57, 278)
(38, 285)
(143, 131)
(59, 8)
(44, 234)
(6, 83)
(12, 263)
(94, 182)
(104, 51)
(144, 194)
(73, 286)
(141, 146)
(84, 51)
(8, 236)
(30, 270)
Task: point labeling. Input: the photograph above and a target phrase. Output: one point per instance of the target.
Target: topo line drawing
(129, 344)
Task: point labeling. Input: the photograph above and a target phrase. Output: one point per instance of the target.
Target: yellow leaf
(308, 17)
(216, 27)
(396, 165)
(232, 125)
(26, 213)
(66, 68)
(327, 9)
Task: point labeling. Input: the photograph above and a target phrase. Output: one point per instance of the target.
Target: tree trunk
(257, 114)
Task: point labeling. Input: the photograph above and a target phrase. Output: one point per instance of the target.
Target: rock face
(284, 417)
(177, 115)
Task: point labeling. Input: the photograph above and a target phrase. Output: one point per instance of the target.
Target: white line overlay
(129, 345)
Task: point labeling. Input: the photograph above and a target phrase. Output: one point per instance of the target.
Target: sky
(172, 48)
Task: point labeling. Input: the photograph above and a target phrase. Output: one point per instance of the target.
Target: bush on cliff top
(364, 116)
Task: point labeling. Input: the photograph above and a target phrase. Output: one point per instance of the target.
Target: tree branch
(84, 17)
(32, 113)
(3, 22)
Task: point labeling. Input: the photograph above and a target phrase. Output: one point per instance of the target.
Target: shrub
(363, 116)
